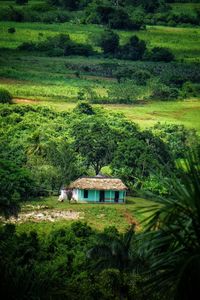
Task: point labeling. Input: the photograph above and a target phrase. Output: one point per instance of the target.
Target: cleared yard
(46, 214)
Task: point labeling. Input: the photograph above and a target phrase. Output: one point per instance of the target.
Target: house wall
(93, 196)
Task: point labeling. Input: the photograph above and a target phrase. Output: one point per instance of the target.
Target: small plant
(11, 30)
(5, 96)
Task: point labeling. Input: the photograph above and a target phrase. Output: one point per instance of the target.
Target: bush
(11, 14)
(28, 46)
(189, 89)
(11, 30)
(5, 96)
(109, 42)
(21, 2)
(133, 50)
(161, 54)
(163, 92)
(141, 77)
(58, 45)
(83, 107)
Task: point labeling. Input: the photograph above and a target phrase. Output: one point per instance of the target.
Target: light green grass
(183, 42)
(185, 7)
(177, 112)
(98, 216)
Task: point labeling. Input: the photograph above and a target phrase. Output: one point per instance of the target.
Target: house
(99, 189)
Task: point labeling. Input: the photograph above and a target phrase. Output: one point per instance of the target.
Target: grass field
(184, 42)
(185, 7)
(54, 81)
(98, 216)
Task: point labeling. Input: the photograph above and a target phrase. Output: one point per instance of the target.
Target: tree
(15, 185)
(138, 156)
(114, 251)
(94, 140)
(134, 49)
(109, 42)
(173, 236)
(178, 138)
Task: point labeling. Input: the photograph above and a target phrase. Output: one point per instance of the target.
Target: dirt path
(21, 100)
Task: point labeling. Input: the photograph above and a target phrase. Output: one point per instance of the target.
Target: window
(85, 193)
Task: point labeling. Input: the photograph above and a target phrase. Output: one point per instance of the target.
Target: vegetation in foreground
(78, 262)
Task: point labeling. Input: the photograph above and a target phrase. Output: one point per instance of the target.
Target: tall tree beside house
(138, 155)
(94, 140)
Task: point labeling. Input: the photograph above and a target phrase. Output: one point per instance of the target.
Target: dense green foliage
(173, 230)
(58, 147)
(78, 262)
(60, 45)
(5, 96)
(15, 185)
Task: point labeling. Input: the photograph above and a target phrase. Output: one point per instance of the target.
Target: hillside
(99, 149)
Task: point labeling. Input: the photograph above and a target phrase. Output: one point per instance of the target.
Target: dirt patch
(10, 80)
(45, 215)
(131, 220)
(20, 100)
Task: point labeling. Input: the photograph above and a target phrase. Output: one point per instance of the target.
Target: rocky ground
(45, 215)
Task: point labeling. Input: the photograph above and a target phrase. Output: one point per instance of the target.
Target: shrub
(11, 30)
(109, 42)
(189, 89)
(21, 2)
(29, 46)
(5, 96)
(161, 54)
(163, 92)
(81, 229)
(41, 7)
(83, 107)
(12, 14)
(141, 76)
(57, 46)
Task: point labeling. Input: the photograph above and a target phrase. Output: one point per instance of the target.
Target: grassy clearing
(179, 112)
(98, 216)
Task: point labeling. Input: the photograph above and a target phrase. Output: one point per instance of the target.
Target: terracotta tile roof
(98, 183)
